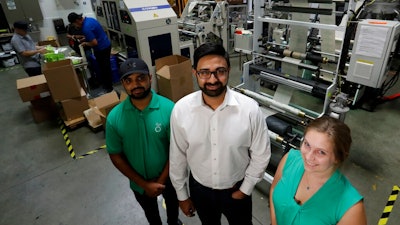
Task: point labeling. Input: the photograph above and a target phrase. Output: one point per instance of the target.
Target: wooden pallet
(75, 123)
(97, 128)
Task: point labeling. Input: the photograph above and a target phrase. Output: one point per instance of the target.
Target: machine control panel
(125, 18)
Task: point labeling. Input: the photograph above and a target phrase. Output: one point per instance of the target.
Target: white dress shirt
(220, 147)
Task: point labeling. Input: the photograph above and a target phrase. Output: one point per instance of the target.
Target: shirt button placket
(214, 150)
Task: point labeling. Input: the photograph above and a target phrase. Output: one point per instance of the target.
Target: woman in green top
(308, 188)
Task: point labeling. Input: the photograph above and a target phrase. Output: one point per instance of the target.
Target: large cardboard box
(43, 109)
(106, 102)
(62, 80)
(73, 108)
(32, 88)
(103, 104)
(174, 76)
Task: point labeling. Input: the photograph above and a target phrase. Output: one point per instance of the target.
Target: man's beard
(213, 93)
(142, 95)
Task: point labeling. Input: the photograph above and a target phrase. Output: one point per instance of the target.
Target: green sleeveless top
(326, 206)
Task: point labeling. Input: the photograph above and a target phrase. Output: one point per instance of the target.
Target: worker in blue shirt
(96, 38)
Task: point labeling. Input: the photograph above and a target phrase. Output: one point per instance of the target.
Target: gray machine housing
(375, 41)
(145, 29)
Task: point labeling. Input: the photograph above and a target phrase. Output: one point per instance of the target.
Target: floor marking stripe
(69, 145)
(66, 138)
(91, 152)
(389, 206)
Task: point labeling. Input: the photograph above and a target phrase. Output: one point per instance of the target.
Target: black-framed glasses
(139, 79)
(218, 73)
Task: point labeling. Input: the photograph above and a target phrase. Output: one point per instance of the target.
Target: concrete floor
(41, 184)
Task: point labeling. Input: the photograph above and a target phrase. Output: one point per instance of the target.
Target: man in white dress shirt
(219, 145)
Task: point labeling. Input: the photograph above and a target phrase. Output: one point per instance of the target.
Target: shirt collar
(229, 99)
(155, 102)
(20, 36)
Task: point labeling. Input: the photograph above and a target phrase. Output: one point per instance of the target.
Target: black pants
(150, 206)
(103, 61)
(33, 71)
(211, 204)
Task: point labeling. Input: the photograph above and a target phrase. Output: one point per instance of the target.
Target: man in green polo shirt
(137, 137)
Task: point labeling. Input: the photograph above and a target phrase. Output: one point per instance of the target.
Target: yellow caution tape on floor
(92, 151)
(69, 145)
(66, 138)
(389, 206)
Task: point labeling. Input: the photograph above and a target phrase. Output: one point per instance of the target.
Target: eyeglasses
(218, 73)
(140, 78)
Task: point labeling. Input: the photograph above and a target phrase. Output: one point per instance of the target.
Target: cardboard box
(73, 108)
(62, 80)
(94, 119)
(174, 76)
(32, 88)
(43, 109)
(123, 95)
(106, 102)
(103, 104)
(53, 43)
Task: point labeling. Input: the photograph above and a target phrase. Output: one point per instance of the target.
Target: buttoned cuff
(246, 187)
(182, 195)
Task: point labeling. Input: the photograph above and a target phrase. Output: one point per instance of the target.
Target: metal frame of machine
(279, 69)
(204, 21)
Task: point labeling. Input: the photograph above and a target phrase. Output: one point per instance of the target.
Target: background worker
(137, 137)
(221, 136)
(27, 51)
(96, 38)
(75, 38)
(308, 188)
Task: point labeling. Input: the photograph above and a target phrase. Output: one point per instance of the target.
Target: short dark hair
(21, 25)
(209, 48)
(337, 131)
(72, 17)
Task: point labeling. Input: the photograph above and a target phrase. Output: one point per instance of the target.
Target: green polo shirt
(142, 136)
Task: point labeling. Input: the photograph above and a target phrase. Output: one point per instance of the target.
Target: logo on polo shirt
(158, 128)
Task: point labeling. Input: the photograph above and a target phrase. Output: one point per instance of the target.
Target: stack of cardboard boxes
(58, 92)
(58, 88)
(35, 90)
(65, 89)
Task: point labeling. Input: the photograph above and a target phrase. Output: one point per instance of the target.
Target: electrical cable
(391, 97)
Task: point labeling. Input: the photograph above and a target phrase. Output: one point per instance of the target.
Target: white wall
(55, 9)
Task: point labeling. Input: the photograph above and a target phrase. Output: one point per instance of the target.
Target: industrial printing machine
(310, 59)
(307, 58)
